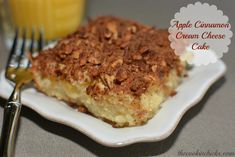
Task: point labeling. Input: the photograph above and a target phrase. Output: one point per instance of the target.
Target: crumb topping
(111, 54)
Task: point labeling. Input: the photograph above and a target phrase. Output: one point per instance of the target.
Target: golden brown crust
(123, 55)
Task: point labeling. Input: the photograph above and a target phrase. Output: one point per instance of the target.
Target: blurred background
(210, 125)
(56, 18)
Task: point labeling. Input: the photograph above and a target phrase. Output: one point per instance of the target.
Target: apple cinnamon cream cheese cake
(118, 70)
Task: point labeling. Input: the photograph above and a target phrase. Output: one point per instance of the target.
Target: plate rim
(222, 69)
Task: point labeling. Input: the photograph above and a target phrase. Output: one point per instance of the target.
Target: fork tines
(18, 52)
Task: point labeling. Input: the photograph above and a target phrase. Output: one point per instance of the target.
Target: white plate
(159, 127)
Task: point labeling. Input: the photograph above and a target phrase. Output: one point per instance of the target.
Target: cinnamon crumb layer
(111, 55)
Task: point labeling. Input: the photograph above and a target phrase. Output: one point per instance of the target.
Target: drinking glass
(56, 18)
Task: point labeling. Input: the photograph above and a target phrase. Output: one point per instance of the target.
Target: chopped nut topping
(76, 54)
(136, 56)
(121, 75)
(117, 62)
(94, 60)
(154, 68)
(114, 55)
(132, 29)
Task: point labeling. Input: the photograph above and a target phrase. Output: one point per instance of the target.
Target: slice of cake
(119, 70)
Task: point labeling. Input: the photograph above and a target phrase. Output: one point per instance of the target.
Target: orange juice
(57, 18)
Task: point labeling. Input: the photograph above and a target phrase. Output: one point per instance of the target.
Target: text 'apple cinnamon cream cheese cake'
(118, 70)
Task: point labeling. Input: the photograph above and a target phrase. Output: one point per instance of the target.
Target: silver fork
(18, 74)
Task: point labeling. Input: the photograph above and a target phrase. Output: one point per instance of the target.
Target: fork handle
(10, 123)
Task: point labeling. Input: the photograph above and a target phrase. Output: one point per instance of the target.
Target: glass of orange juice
(56, 18)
